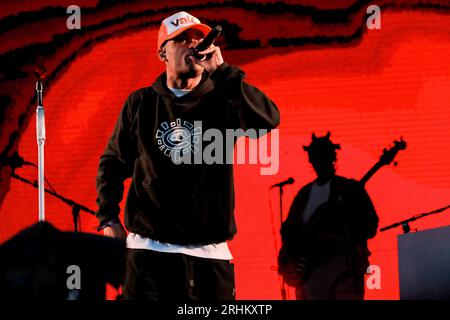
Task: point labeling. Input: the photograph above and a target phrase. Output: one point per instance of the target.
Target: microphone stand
(405, 223)
(40, 135)
(16, 161)
(283, 283)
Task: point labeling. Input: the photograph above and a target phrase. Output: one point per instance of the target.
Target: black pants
(152, 275)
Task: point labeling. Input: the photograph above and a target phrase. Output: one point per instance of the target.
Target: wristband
(107, 223)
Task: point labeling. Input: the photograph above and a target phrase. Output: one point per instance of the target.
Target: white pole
(40, 135)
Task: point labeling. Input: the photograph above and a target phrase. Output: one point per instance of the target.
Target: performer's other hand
(115, 231)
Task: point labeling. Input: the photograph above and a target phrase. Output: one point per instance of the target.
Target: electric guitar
(294, 268)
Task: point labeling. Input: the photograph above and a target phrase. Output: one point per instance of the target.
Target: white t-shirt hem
(218, 251)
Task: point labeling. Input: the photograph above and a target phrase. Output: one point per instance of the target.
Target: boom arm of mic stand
(67, 201)
(414, 218)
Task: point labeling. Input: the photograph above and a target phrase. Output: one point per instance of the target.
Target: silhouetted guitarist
(325, 254)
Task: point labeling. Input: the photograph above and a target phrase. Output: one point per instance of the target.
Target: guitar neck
(370, 173)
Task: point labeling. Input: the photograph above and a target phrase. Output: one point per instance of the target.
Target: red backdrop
(394, 82)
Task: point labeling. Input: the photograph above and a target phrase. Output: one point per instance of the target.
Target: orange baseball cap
(176, 24)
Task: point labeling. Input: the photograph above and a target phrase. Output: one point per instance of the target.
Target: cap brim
(198, 26)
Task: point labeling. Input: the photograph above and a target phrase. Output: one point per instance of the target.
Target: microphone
(207, 42)
(283, 183)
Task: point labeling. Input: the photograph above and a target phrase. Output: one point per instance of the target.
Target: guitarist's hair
(322, 147)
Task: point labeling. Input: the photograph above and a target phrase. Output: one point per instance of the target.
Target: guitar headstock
(389, 154)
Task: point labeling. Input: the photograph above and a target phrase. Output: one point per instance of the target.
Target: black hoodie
(178, 203)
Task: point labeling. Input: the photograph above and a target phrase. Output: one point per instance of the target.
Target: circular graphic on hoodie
(178, 136)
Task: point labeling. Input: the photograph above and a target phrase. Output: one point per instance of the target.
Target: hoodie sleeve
(252, 108)
(116, 164)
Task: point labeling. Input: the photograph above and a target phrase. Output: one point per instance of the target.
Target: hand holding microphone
(207, 41)
(206, 54)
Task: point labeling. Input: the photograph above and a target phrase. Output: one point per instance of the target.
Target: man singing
(179, 216)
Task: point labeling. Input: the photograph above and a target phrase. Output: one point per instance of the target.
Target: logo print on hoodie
(179, 136)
